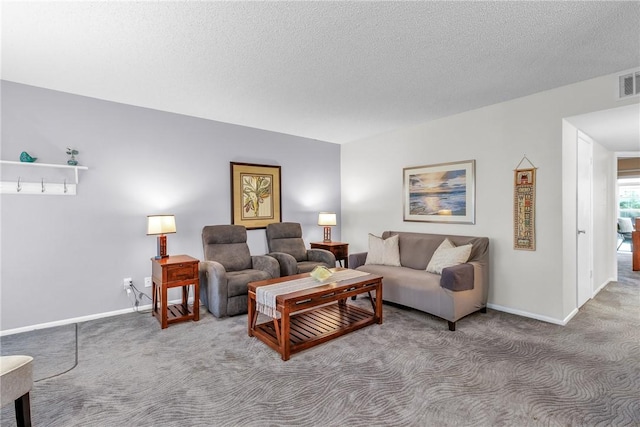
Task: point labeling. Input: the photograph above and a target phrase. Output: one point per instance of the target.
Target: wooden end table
(339, 249)
(171, 272)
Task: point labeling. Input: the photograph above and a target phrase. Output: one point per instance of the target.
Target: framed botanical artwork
(255, 195)
(443, 192)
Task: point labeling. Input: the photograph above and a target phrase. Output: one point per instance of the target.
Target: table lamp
(161, 225)
(327, 219)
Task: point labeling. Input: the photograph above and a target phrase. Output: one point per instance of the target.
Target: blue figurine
(25, 157)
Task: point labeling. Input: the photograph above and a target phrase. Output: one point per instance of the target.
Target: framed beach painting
(443, 192)
(255, 195)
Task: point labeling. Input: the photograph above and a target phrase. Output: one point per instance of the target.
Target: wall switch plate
(125, 283)
(147, 282)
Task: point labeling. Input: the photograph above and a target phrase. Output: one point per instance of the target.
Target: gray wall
(64, 257)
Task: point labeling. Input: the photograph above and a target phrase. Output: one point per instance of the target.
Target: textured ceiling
(333, 71)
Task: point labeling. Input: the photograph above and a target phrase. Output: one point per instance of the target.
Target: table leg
(154, 297)
(196, 301)
(251, 314)
(285, 342)
(379, 302)
(163, 306)
(185, 295)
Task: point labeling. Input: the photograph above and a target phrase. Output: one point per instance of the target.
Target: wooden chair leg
(452, 326)
(23, 411)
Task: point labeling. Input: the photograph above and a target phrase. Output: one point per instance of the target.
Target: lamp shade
(161, 224)
(327, 218)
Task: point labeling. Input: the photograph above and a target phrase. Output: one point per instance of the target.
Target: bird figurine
(25, 157)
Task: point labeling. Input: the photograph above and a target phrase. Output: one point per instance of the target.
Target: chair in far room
(625, 228)
(285, 243)
(228, 267)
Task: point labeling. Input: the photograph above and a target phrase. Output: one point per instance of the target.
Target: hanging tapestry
(524, 209)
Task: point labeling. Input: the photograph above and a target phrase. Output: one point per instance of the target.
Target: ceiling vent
(629, 85)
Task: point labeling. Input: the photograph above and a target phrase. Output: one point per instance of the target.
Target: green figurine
(26, 158)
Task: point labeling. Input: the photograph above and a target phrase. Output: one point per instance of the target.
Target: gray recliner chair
(228, 267)
(285, 243)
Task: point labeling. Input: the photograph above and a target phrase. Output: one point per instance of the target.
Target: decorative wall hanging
(443, 192)
(255, 195)
(524, 207)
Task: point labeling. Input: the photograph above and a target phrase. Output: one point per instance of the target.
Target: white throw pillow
(383, 251)
(448, 255)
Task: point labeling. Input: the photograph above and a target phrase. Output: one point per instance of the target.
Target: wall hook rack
(40, 188)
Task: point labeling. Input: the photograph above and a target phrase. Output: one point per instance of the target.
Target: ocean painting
(442, 193)
(438, 193)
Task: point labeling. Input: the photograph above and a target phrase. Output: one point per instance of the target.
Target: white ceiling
(332, 71)
(617, 129)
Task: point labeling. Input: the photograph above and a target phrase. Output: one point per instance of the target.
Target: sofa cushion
(448, 255)
(383, 251)
(416, 249)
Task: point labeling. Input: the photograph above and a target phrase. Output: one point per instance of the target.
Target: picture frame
(443, 192)
(255, 195)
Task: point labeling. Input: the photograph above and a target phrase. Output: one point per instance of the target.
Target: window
(629, 197)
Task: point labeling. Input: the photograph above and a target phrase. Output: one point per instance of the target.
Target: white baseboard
(561, 322)
(71, 320)
(80, 319)
(601, 287)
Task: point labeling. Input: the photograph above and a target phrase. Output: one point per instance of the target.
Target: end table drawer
(178, 272)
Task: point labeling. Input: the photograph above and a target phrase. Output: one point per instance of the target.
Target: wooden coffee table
(312, 316)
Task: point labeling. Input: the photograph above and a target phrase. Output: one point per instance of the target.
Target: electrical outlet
(147, 282)
(126, 283)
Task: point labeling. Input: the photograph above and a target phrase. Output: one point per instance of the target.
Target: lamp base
(327, 235)
(162, 247)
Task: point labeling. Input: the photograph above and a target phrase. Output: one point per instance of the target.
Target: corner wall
(536, 284)
(64, 257)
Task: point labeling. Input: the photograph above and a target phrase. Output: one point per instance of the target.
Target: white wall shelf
(42, 187)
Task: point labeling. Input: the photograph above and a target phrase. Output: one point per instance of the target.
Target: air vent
(629, 84)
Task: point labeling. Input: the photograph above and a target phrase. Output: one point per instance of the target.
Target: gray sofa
(459, 291)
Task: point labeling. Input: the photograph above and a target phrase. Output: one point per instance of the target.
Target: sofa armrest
(266, 263)
(458, 277)
(357, 259)
(213, 287)
(288, 264)
(322, 255)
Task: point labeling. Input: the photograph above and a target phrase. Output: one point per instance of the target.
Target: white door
(584, 212)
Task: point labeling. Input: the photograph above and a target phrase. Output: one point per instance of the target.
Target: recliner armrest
(266, 263)
(213, 287)
(458, 277)
(288, 264)
(357, 259)
(322, 255)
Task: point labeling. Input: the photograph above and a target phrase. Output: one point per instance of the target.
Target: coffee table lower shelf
(313, 327)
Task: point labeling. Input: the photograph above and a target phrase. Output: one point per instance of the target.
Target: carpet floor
(496, 369)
